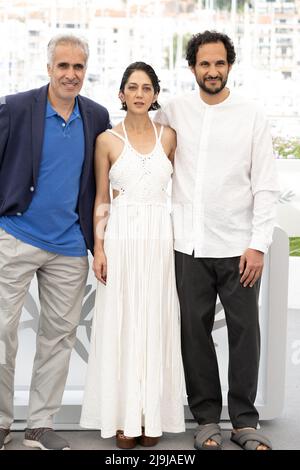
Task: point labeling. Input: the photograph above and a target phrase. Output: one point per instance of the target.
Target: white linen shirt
(225, 186)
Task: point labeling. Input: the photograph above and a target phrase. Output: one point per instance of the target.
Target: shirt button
(31, 188)
(64, 124)
(19, 213)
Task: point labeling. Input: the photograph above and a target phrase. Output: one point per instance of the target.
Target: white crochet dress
(134, 373)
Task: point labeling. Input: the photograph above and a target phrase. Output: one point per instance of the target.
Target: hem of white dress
(106, 434)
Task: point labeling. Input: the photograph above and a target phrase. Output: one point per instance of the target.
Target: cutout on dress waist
(116, 193)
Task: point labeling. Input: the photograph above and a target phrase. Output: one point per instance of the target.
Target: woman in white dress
(134, 385)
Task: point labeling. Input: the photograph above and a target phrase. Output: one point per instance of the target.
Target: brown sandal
(125, 442)
(147, 441)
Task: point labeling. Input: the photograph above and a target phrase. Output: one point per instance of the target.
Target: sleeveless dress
(135, 376)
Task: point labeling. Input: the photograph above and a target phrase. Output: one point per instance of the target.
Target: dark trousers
(199, 280)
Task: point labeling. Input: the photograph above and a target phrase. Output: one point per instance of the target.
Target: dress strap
(116, 134)
(124, 130)
(160, 132)
(155, 130)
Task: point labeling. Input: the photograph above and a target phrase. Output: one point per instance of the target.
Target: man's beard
(212, 91)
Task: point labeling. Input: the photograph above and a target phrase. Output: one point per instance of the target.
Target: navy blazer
(22, 121)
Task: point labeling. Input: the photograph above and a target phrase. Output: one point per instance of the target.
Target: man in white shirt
(224, 203)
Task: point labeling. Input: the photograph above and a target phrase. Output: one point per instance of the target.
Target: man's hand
(251, 266)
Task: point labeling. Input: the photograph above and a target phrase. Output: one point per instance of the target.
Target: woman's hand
(100, 266)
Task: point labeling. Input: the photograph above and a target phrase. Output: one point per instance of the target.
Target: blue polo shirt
(51, 220)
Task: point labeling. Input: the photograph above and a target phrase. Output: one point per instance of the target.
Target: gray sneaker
(45, 439)
(5, 437)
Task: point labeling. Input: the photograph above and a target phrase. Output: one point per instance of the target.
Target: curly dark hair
(205, 38)
(151, 74)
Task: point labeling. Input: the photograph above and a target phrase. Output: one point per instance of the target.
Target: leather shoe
(147, 441)
(125, 442)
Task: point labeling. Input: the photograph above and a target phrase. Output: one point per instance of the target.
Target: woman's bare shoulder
(169, 135)
(169, 131)
(106, 136)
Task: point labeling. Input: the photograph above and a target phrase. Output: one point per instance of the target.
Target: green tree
(226, 4)
(287, 147)
(294, 246)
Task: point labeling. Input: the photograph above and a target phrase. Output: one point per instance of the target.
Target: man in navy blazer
(47, 192)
